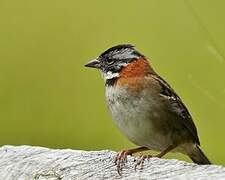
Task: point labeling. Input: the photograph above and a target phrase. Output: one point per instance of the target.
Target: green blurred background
(48, 98)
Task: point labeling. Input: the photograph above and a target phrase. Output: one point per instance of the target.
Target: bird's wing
(177, 106)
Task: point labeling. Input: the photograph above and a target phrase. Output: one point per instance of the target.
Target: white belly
(135, 117)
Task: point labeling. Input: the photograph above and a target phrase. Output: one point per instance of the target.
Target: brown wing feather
(177, 106)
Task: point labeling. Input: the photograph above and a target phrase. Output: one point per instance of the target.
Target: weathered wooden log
(27, 162)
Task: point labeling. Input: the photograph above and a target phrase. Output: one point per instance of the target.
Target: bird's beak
(93, 64)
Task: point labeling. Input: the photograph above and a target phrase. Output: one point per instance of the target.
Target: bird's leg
(121, 157)
(161, 154)
(164, 152)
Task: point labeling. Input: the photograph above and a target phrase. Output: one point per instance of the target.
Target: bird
(145, 108)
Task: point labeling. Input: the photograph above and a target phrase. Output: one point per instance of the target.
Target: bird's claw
(121, 159)
(141, 160)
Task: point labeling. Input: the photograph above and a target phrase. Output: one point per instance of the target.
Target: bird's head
(118, 58)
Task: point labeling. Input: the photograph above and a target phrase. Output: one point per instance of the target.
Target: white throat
(109, 75)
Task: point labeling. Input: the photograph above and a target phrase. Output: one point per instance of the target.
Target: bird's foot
(121, 159)
(141, 160)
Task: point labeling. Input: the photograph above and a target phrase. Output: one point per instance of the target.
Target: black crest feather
(118, 47)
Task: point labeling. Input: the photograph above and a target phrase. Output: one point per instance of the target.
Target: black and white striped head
(112, 61)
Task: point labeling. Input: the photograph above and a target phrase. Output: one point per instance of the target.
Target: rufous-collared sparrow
(144, 106)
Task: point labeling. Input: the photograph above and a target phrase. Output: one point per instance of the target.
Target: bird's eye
(109, 61)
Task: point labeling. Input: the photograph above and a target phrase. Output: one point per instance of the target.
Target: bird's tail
(197, 156)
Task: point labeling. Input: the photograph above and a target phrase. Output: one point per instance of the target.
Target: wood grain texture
(27, 162)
